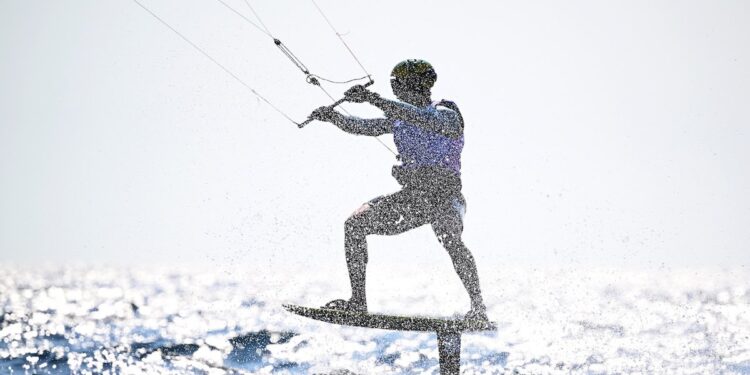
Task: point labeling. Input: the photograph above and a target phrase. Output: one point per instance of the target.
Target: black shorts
(412, 207)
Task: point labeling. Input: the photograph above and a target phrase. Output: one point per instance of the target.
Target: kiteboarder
(429, 137)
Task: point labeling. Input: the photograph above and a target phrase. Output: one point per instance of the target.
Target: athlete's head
(412, 79)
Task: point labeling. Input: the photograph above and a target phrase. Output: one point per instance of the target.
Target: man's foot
(477, 314)
(345, 305)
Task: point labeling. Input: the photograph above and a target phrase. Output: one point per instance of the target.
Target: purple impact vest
(418, 147)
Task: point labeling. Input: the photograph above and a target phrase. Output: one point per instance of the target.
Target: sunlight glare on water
(554, 321)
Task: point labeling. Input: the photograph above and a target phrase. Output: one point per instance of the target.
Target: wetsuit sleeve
(361, 126)
(446, 121)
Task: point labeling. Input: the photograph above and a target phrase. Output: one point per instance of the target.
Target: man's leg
(388, 215)
(448, 227)
(355, 245)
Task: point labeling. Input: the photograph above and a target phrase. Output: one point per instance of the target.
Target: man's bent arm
(443, 121)
(361, 126)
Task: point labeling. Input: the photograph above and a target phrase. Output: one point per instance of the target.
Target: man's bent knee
(354, 226)
(361, 209)
(356, 223)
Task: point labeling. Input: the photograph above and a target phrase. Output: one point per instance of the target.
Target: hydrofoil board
(392, 322)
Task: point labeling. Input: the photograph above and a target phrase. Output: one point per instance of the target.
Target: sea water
(91, 320)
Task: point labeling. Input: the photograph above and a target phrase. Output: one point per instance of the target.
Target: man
(429, 138)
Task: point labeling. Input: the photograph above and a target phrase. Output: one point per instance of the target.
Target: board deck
(392, 322)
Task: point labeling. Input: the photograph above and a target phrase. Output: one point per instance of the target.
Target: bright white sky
(597, 132)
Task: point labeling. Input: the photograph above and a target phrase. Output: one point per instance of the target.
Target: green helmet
(415, 71)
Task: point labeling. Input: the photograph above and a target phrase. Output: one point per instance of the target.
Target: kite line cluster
(310, 77)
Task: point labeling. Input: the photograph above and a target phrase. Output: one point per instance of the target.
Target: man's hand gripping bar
(336, 103)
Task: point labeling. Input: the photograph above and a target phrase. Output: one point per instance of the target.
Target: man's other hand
(359, 94)
(324, 113)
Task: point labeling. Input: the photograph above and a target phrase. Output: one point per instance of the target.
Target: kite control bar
(309, 120)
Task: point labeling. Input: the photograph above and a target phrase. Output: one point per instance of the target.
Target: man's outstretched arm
(352, 124)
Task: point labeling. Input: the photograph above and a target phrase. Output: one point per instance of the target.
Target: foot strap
(344, 305)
